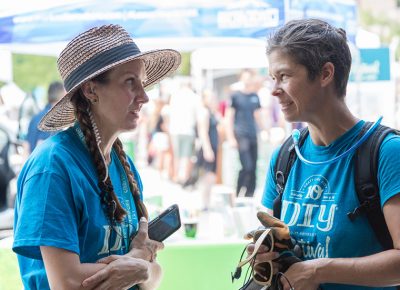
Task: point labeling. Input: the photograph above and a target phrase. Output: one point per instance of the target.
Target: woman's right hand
(141, 246)
(121, 272)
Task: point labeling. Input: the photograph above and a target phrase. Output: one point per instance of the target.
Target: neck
(107, 142)
(247, 90)
(107, 137)
(331, 124)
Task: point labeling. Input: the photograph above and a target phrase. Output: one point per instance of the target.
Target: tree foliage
(385, 27)
(31, 71)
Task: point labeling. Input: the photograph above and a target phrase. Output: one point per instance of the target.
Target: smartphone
(165, 224)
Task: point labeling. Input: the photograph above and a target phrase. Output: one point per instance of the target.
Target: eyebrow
(128, 72)
(280, 70)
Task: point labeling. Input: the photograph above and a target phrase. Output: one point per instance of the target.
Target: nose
(276, 91)
(144, 98)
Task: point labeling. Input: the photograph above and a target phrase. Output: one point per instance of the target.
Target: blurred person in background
(6, 172)
(207, 128)
(243, 121)
(34, 136)
(159, 146)
(80, 221)
(183, 110)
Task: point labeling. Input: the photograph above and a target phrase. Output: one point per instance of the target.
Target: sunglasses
(264, 274)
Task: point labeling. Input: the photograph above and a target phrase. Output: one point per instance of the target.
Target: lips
(285, 105)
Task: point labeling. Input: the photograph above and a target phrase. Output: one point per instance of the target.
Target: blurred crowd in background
(186, 136)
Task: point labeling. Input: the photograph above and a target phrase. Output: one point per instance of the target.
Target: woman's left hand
(302, 276)
(141, 246)
(121, 272)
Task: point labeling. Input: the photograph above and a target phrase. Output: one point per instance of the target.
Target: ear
(88, 89)
(327, 74)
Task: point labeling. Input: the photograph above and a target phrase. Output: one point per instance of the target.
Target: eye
(130, 81)
(283, 76)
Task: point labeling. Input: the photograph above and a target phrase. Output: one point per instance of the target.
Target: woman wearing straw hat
(80, 222)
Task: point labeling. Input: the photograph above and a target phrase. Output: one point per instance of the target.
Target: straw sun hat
(94, 52)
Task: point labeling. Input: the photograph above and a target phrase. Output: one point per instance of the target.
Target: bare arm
(65, 271)
(203, 126)
(229, 120)
(381, 269)
(154, 277)
(138, 266)
(378, 270)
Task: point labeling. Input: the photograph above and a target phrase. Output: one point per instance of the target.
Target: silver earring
(94, 101)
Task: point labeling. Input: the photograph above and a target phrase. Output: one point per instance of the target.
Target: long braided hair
(109, 200)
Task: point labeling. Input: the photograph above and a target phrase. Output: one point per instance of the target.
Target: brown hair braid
(109, 200)
(140, 207)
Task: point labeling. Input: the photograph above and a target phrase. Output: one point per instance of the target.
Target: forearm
(82, 272)
(229, 120)
(73, 278)
(378, 270)
(65, 271)
(155, 275)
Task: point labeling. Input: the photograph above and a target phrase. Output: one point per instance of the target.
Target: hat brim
(158, 65)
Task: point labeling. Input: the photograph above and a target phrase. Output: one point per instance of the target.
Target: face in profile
(121, 97)
(298, 96)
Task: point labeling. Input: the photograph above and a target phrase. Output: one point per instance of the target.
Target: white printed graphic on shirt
(118, 240)
(311, 208)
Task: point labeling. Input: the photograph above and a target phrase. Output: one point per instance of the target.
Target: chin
(131, 126)
(290, 119)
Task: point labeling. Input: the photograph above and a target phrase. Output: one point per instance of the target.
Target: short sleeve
(389, 168)
(269, 189)
(233, 101)
(46, 216)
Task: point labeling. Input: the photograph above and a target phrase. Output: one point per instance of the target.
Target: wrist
(322, 270)
(137, 254)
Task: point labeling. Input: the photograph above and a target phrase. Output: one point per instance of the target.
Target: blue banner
(231, 18)
(339, 13)
(372, 64)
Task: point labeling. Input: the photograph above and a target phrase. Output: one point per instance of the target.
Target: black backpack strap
(366, 173)
(283, 165)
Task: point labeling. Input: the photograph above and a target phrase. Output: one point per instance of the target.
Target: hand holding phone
(165, 224)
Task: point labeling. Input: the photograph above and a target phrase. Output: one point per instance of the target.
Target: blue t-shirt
(58, 204)
(34, 135)
(245, 105)
(317, 199)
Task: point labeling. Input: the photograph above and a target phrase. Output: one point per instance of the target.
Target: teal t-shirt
(58, 204)
(317, 199)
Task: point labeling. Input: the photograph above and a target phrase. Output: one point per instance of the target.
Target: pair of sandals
(275, 235)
